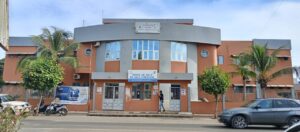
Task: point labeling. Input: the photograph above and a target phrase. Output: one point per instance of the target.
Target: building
(126, 62)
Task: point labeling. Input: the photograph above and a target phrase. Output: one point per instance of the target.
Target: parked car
(294, 128)
(16, 106)
(279, 112)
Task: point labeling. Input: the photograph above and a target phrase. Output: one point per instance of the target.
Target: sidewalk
(142, 114)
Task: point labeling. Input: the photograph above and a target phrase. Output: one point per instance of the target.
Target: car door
(281, 110)
(262, 113)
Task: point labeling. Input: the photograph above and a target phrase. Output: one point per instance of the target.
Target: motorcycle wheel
(63, 112)
(47, 112)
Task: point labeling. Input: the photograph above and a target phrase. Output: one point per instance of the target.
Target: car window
(264, 104)
(280, 104)
(292, 103)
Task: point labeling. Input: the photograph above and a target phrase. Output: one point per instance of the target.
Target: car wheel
(239, 122)
(293, 120)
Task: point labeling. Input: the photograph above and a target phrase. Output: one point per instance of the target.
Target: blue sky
(237, 19)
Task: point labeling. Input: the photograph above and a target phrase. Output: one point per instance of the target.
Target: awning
(124, 76)
(270, 86)
(20, 53)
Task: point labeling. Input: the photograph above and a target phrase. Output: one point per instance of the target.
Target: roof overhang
(124, 76)
(269, 86)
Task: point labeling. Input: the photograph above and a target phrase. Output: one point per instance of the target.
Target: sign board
(99, 90)
(182, 91)
(147, 27)
(4, 24)
(142, 75)
(72, 94)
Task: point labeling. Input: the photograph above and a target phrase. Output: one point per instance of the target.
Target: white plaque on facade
(142, 75)
(183, 91)
(147, 27)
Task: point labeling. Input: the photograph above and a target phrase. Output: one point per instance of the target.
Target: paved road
(72, 123)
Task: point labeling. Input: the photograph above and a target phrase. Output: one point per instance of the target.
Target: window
(204, 53)
(141, 90)
(265, 104)
(240, 89)
(112, 51)
(175, 91)
(178, 51)
(88, 52)
(220, 59)
(145, 50)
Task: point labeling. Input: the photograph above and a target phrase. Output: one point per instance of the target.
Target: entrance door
(175, 98)
(113, 97)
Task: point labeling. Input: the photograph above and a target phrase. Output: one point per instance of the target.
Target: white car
(17, 106)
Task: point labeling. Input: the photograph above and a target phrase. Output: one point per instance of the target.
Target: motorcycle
(60, 109)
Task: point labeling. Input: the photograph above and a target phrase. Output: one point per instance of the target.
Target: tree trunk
(245, 90)
(263, 87)
(38, 107)
(216, 109)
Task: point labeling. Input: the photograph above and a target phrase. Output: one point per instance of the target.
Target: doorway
(113, 98)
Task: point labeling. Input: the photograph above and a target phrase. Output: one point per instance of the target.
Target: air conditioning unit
(76, 76)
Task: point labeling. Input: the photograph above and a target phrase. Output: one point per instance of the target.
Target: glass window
(141, 90)
(178, 51)
(280, 104)
(220, 59)
(292, 103)
(175, 91)
(240, 89)
(204, 53)
(264, 104)
(88, 52)
(145, 50)
(112, 50)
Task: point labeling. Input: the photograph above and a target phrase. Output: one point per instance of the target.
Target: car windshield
(252, 103)
(6, 98)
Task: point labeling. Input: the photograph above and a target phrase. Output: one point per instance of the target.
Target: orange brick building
(126, 62)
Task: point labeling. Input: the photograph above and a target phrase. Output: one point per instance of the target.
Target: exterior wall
(145, 65)
(203, 63)
(10, 72)
(13, 90)
(178, 67)
(87, 64)
(112, 66)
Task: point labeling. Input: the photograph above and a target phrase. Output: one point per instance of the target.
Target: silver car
(274, 111)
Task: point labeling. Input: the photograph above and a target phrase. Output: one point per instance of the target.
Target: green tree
(42, 75)
(242, 67)
(264, 62)
(57, 45)
(215, 82)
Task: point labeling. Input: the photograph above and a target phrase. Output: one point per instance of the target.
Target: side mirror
(257, 107)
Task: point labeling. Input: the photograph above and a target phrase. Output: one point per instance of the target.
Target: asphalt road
(72, 123)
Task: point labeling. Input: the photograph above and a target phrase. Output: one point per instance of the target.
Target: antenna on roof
(83, 22)
(102, 12)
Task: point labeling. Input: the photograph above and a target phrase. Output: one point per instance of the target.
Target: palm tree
(264, 63)
(57, 45)
(243, 68)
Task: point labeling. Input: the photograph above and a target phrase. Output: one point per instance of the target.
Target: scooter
(60, 109)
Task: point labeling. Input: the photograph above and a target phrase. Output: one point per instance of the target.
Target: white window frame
(145, 51)
(114, 53)
(219, 59)
(178, 55)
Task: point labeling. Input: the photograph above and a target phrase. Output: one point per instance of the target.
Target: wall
(209, 108)
(87, 64)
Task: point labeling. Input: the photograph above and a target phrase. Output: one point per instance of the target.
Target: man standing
(161, 101)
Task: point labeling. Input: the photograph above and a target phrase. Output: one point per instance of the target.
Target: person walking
(161, 101)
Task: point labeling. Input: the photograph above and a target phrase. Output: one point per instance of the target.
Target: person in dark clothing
(161, 101)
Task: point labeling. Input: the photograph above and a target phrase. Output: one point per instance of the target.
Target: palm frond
(69, 50)
(284, 71)
(25, 61)
(72, 61)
